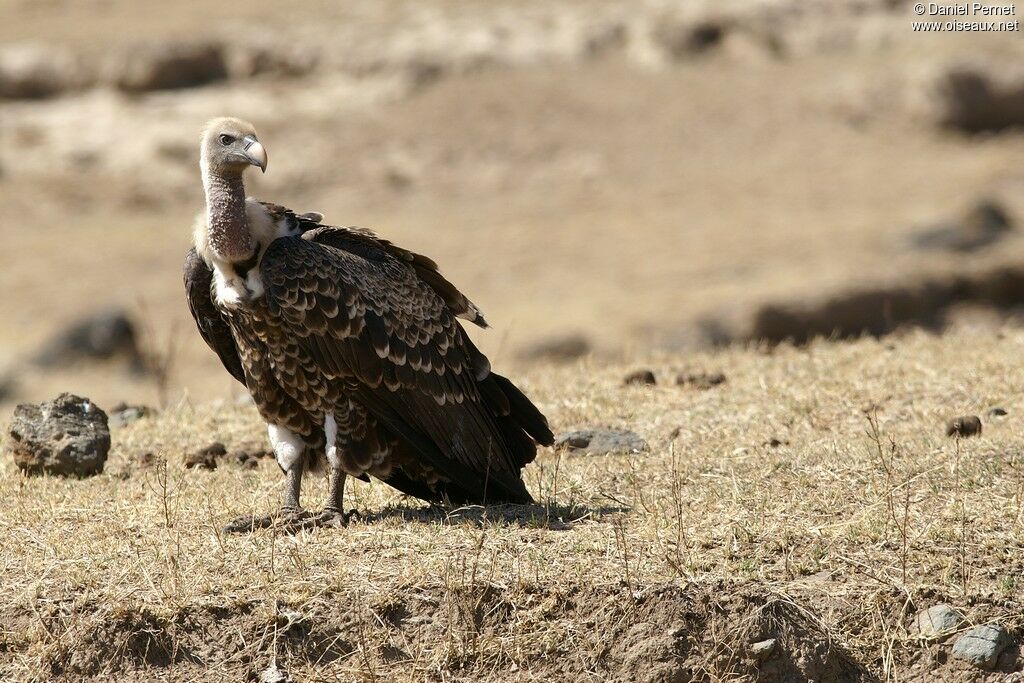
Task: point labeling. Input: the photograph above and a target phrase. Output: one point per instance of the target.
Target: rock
(985, 223)
(601, 441)
(964, 426)
(937, 621)
(206, 458)
(33, 71)
(168, 66)
(98, 337)
(701, 380)
(997, 412)
(775, 442)
(124, 414)
(763, 649)
(972, 99)
(982, 645)
(274, 674)
(563, 348)
(67, 436)
(640, 377)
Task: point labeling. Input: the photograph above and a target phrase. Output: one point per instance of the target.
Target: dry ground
(568, 176)
(657, 566)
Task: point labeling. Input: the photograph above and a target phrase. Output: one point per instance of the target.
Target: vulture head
(229, 146)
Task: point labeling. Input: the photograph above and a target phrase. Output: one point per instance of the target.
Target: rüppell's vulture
(351, 349)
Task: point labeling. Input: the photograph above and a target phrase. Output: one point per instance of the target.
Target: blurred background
(605, 178)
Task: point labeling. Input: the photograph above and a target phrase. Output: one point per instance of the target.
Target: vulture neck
(228, 227)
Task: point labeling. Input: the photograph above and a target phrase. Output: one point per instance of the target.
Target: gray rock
(275, 674)
(68, 436)
(937, 621)
(601, 441)
(997, 412)
(982, 645)
(763, 649)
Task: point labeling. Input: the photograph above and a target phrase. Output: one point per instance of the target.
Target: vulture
(351, 348)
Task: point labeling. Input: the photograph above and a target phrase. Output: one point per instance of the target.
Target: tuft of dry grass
(813, 497)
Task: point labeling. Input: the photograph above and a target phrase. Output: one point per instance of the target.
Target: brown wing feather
(365, 315)
(426, 269)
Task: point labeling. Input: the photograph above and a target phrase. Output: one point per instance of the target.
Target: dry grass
(864, 513)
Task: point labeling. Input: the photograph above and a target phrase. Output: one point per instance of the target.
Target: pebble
(937, 621)
(763, 649)
(982, 645)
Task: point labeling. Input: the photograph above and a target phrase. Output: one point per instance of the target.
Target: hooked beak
(255, 153)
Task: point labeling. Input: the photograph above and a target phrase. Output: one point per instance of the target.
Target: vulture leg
(291, 454)
(333, 514)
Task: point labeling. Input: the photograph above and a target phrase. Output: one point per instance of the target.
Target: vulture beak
(255, 153)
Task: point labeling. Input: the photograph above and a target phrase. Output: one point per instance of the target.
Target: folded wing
(382, 320)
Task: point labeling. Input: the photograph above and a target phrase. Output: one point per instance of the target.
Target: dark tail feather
(524, 413)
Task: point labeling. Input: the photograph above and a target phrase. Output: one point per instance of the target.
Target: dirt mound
(480, 632)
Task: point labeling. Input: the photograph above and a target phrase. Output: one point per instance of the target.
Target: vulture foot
(286, 519)
(330, 517)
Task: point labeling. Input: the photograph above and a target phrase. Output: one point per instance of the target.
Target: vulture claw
(288, 520)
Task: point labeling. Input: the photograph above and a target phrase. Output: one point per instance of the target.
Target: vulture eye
(226, 139)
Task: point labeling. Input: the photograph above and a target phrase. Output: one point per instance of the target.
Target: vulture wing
(212, 325)
(383, 320)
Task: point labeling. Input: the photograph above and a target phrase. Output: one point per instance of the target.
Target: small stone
(763, 649)
(640, 377)
(997, 412)
(206, 458)
(701, 380)
(274, 674)
(964, 426)
(775, 443)
(67, 436)
(937, 621)
(601, 441)
(982, 645)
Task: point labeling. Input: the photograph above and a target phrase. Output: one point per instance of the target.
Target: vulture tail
(521, 424)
